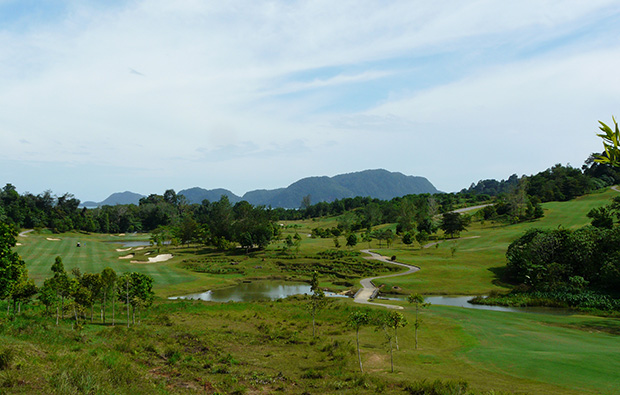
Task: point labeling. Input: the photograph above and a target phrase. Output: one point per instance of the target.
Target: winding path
(369, 291)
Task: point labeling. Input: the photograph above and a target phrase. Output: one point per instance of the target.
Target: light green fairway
(96, 253)
(568, 351)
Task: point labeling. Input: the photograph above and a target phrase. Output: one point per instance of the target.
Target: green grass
(267, 347)
(477, 263)
(96, 253)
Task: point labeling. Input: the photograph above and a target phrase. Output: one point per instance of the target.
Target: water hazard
(272, 290)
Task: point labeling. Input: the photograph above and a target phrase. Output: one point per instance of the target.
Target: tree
(94, 284)
(611, 144)
(419, 303)
(395, 320)
(601, 217)
(351, 240)
(23, 291)
(453, 223)
(358, 319)
(391, 320)
(317, 299)
(108, 286)
(136, 290)
(61, 284)
(407, 238)
(11, 265)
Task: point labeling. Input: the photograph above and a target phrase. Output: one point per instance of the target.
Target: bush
(6, 358)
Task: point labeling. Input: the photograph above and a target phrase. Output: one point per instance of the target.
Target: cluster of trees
(77, 293)
(567, 260)
(167, 217)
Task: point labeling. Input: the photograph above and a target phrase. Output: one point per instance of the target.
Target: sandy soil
(158, 258)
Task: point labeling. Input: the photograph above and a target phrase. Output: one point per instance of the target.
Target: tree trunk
(359, 356)
(313, 315)
(391, 356)
(19, 308)
(127, 302)
(416, 326)
(396, 339)
(133, 315)
(105, 296)
(113, 300)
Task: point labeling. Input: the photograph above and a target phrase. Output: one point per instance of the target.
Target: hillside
(126, 197)
(197, 195)
(379, 184)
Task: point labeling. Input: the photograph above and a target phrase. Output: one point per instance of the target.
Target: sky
(102, 97)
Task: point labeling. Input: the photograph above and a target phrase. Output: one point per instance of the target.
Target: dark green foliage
(6, 358)
(437, 387)
(335, 268)
(11, 265)
(573, 267)
(453, 223)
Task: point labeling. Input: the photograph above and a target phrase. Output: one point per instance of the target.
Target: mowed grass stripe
(93, 256)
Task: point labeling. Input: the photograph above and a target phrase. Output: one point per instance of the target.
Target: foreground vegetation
(267, 347)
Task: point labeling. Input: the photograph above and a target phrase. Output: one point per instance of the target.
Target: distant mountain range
(380, 184)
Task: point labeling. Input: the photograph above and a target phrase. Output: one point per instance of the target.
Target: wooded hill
(377, 184)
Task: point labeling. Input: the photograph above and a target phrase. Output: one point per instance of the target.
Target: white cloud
(157, 84)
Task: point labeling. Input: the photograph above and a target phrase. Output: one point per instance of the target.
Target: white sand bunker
(121, 234)
(158, 258)
(52, 239)
(123, 249)
(126, 256)
(18, 244)
(139, 248)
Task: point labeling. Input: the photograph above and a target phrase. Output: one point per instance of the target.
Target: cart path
(25, 233)
(368, 290)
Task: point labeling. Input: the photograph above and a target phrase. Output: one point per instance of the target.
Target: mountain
(197, 195)
(116, 198)
(379, 183)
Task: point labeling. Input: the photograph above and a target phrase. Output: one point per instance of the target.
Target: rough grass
(267, 347)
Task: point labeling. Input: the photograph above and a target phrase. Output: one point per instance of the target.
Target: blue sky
(100, 97)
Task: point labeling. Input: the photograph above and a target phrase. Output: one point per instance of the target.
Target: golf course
(266, 345)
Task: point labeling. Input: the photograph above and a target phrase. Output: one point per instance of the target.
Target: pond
(261, 290)
(463, 301)
(252, 291)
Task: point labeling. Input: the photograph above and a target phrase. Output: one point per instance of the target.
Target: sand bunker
(126, 256)
(121, 234)
(139, 248)
(52, 239)
(158, 258)
(123, 249)
(18, 244)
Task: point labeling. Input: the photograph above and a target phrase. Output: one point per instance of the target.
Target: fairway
(95, 254)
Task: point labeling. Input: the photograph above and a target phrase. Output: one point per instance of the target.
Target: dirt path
(369, 291)
(442, 241)
(25, 233)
